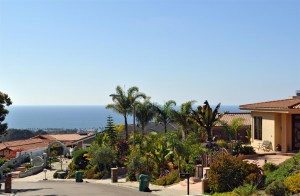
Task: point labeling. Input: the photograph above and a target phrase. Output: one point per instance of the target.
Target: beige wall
(268, 128)
(276, 127)
(278, 130)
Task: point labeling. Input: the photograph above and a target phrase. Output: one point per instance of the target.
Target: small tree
(4, 101)
(104, 155)
(110, 131)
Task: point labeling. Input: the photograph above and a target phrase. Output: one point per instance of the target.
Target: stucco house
(276, 121)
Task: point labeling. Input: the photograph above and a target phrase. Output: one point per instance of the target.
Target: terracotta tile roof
(66, 137)
(229, 117)
(285, 104)
(28, 144)
(41, 141)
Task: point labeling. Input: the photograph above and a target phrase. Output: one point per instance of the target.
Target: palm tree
(124, 102)
(182, 117)
(145, 113)
(163, 113)
(205, 117)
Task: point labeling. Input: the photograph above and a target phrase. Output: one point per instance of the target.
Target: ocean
(69, 117)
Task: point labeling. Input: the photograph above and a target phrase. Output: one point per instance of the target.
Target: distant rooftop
(229, 117)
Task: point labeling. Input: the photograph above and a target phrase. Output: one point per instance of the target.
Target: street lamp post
(45, 171)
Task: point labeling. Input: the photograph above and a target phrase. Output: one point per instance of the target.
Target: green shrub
(54, 159)
(292, 183)
(269, 167)
(11, 166)
(276, 188)
(6, 170)
(238, 149)
(28, 166)
(229, 172)
(98, 175)
(2, 161)
(226, 194)
(170, 178)
(89, 173)
(135, 167)
(56, 173)
(245, 190)
(287, 168)
(245, 150)
(222, 144)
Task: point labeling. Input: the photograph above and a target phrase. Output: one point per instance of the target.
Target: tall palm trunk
(126, 128)
(208, 130)
(165, 125)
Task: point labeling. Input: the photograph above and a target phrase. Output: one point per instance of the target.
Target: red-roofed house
(29, 145)
(38, 144)
(276, 121)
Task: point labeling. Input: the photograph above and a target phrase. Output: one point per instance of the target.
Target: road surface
(56, 188)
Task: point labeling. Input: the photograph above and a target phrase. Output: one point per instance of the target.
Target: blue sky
(63, 52)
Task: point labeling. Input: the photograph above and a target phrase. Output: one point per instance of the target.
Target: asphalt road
(54, 188)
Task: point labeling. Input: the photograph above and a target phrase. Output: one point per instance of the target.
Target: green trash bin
(78, 176)
(144, 183)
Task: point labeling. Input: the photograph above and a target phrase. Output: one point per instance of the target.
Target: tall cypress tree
(110, 131)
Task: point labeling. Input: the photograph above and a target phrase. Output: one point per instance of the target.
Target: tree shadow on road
(27, 190)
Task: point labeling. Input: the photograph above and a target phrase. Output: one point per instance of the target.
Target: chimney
(297, 95)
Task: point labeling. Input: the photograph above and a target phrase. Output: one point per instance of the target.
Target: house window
(257, 128)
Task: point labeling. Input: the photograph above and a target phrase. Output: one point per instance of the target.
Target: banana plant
(205, 117)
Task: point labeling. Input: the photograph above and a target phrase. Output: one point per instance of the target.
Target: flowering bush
(292, 183)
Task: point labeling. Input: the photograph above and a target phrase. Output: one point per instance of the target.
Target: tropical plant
(205, 117)
(234, 127)
(124, 103)
(161, 153)
(164, 113)
(80, 162)
(144, 113)
(4, 101)
(182, 117)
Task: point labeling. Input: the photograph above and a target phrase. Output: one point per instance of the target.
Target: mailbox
(184, 175)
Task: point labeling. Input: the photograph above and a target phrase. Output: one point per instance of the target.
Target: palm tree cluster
(133, 102)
